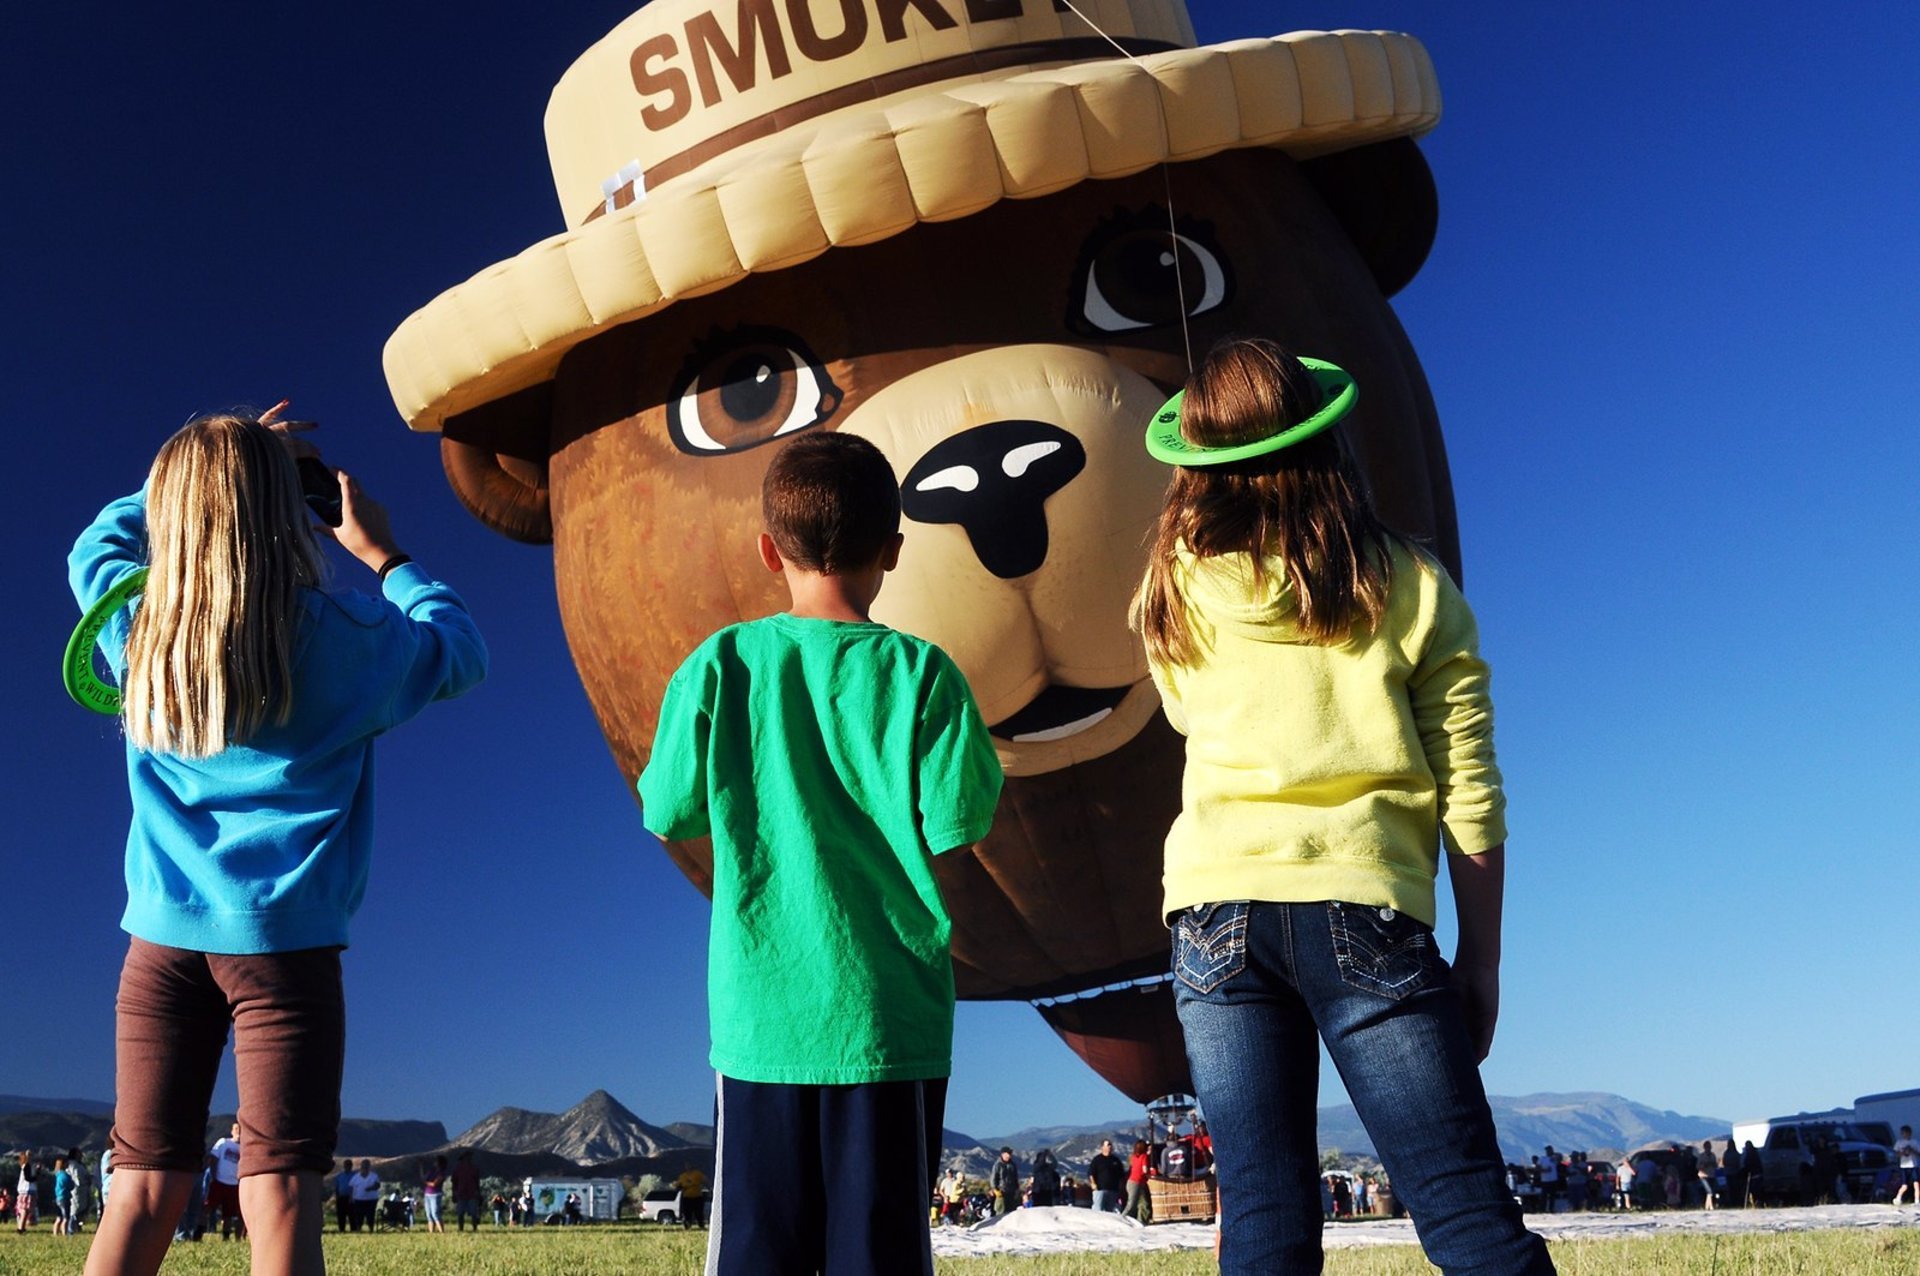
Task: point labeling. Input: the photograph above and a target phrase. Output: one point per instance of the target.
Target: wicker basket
(1175, 1201)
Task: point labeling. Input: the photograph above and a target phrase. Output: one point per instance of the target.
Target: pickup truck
(1786, 1160)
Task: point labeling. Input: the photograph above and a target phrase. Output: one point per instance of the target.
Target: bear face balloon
(972, 232)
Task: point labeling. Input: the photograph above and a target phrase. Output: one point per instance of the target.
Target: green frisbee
(83, 684)
(1165, 442)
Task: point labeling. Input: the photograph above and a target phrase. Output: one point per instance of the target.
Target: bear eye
(1127, 276)
(746, 388)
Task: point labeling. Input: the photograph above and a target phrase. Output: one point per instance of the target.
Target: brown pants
(289, 1025)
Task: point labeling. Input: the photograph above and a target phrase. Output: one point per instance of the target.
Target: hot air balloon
(982, 235)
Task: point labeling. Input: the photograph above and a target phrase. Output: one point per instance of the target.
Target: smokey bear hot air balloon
(969, 230)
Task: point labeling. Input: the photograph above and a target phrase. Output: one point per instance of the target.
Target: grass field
(618, 1250)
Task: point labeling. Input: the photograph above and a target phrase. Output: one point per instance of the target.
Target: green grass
(617, 1250)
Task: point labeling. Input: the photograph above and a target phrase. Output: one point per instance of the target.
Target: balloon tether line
(1173, 232)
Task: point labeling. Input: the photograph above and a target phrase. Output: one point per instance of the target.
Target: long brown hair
(210, 651)
(1306, 505)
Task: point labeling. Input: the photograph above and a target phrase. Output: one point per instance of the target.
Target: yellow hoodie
(1318, 772)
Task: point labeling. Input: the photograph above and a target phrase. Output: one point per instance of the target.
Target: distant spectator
(366, 1196)
(343, 1195)
(82, 1191)
(523, 1207)
(570, 1212)
(464, 1183)
(223, 1194)
(433, 1191)
(1909, 1154)
(190, 1226)
(26, 1190)
(693, 1197)
(1576, 1181)
(499, 1206)
(62, 1197)
(1550, 1181)
(1046, 1178)
(1750, 1167)
(1139, 1200)
(1176, 1159)
(1708, 1167)
(1829, 1172)
(953, 1195)
(1004, 1182)
(1108, 1176)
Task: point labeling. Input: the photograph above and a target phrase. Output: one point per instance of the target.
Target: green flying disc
(83, 684)
(1166, 443)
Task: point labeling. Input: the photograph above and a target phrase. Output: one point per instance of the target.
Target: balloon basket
(1178, 1201)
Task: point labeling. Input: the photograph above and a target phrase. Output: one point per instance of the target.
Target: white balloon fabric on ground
(1064, 1230)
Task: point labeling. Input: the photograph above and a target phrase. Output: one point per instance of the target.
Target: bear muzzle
(1029, 500)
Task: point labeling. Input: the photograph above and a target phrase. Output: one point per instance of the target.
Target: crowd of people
(60, 1191)
(1113, 1183)
(1683, 1176)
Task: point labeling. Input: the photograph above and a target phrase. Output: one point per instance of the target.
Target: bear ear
(1383, 195)
(495, 457)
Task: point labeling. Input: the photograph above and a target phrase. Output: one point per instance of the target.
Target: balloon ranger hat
(704, 141)
(1165, 442)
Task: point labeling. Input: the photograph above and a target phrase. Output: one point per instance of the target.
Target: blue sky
(1670, 322)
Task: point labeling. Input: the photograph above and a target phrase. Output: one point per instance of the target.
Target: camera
(321, 489)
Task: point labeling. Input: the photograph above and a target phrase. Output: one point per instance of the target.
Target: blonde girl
(1326, 674)
(253, 691)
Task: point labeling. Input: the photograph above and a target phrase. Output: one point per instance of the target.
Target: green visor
(1338, 394)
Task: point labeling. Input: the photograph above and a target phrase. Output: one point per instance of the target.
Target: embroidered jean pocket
(1382, 950)
(1210, 945)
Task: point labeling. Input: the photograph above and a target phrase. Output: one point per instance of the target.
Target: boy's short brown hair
(831, 503)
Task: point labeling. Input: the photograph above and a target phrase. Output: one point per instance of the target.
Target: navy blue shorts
(824, 1179)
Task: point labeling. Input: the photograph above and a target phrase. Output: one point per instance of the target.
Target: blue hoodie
(264, 847)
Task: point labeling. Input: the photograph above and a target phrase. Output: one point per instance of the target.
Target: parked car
(661, 1206)
(1786, 1159)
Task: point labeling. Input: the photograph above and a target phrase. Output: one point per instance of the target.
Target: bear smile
(1059, 712)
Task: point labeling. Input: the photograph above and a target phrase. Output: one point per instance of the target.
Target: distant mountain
(1592, 1121)
(695, 1134)
(1587, 1121)
(359, 1136)
(54, 1131)
(594, 1131)
(10, 1103)
(362, 1136)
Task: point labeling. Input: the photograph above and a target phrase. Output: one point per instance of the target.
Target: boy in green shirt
(829, 758)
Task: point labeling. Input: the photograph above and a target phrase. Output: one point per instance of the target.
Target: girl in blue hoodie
(253, 692)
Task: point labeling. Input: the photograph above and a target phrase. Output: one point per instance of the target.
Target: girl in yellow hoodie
(1339, 733)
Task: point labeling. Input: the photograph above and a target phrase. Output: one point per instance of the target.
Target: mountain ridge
(594, 1131)
(602, 1134)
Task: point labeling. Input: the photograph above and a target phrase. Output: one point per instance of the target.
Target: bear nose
(994, 481)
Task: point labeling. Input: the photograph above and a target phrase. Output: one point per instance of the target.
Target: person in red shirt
(1139, 1204)
(465, 1182)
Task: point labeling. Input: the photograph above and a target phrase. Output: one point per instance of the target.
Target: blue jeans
(1255, 983)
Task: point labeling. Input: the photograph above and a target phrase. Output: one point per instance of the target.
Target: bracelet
(392, 563)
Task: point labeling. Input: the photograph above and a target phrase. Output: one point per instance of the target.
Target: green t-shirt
(829, 761)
